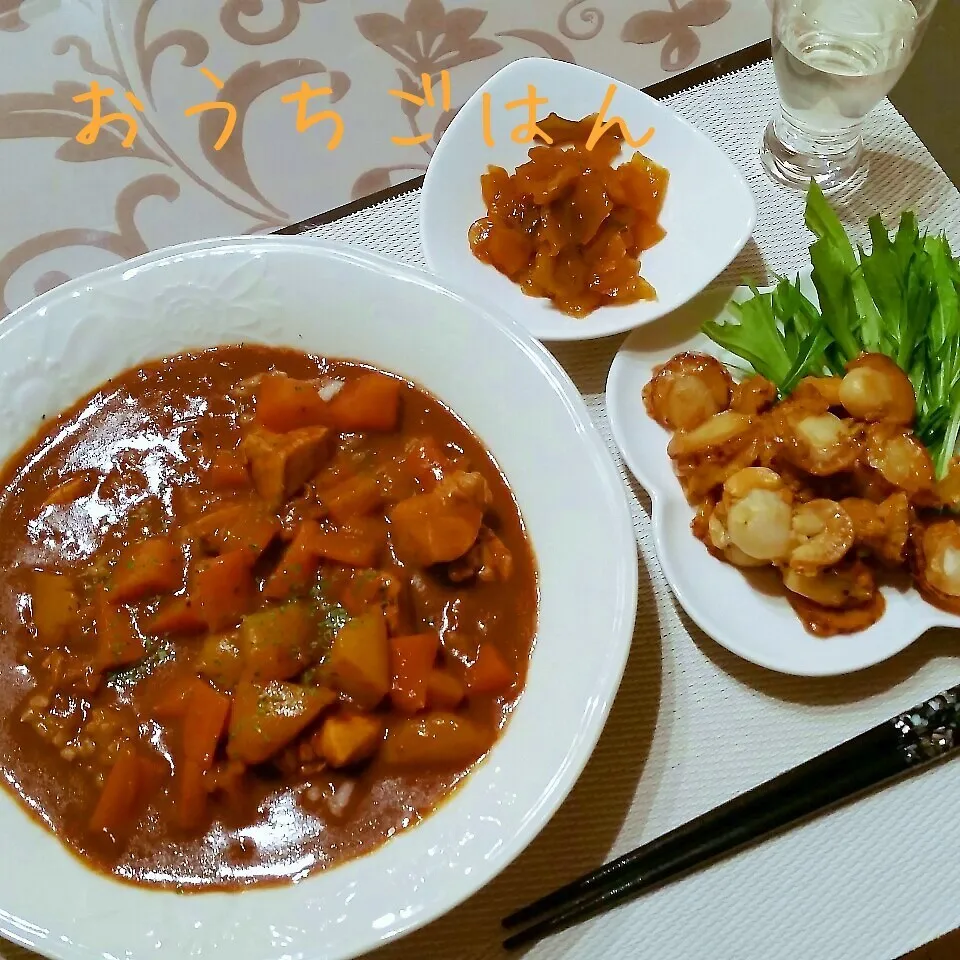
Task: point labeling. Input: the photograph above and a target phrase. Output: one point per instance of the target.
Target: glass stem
(801, 140)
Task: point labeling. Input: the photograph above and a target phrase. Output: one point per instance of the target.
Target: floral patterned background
(80, 206)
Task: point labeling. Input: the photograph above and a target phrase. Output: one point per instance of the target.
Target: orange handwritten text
(217, 104)
(526, 132)
(601, 125)
(425, 100)
(302, 98)
(96, 95)
(530, 131)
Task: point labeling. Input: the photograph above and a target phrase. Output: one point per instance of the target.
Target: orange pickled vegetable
(567, 225)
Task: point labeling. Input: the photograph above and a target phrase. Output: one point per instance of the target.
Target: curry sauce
(261, 611)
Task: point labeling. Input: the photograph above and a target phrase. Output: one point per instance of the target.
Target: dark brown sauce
(146, 440)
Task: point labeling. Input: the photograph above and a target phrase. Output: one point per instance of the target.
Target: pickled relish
(567, 225)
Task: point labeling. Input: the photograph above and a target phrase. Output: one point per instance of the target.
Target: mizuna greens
(902, 299)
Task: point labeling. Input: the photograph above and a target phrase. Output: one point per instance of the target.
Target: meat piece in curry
(261, 611)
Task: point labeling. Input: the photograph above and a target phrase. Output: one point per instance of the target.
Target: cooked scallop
(820, 443)
(881, 529)
(900, 458)
(688, 390)
(720, 429)
(823, 533)
(937, 563)
(876, 389)
(837, 588)
(752, 524)
(753, 395)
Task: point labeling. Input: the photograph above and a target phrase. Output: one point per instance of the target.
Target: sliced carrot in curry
(353, 497)
(118, 798)
(223, 589)
(352, 547)
(145, 569)
(370, 402)
(176, 615)
(128, 787)
(267, 716)
(297, 570)
(284, 403)
(489, 673)
(239, 526)
(118, 643)
(206, 712)
(444, 690)
(228, 471)
(53, 598)
(355, 590)
(411, 660)
(205, 719)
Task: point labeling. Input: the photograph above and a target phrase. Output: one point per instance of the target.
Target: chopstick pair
(905, 743)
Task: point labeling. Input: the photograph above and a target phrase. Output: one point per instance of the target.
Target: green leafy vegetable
(901, 299)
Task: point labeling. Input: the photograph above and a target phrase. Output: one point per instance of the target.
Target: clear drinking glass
(835, 60)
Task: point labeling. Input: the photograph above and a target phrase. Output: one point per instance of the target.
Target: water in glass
(835, 60)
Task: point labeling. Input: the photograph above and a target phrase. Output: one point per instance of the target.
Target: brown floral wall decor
(591, 16)
(79, 206)
(429, 38)
(10, 19)
(675, 26)
(232, 11)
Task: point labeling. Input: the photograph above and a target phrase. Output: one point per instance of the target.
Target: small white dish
(709, 213)
(332, 300)
(758, 626)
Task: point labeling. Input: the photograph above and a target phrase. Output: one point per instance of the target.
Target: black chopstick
(905, 743)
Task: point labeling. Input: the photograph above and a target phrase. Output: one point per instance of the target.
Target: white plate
(709, 213)
(757, 626)
(330, 299)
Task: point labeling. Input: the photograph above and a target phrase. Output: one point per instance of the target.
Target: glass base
(793, 157)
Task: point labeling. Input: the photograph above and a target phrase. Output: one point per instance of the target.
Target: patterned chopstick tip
(930, 730)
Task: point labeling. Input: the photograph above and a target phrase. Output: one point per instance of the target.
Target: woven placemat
(693, 725)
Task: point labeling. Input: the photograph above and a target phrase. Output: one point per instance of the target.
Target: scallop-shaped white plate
(333, 300)
(709, 212)
(729, 605)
